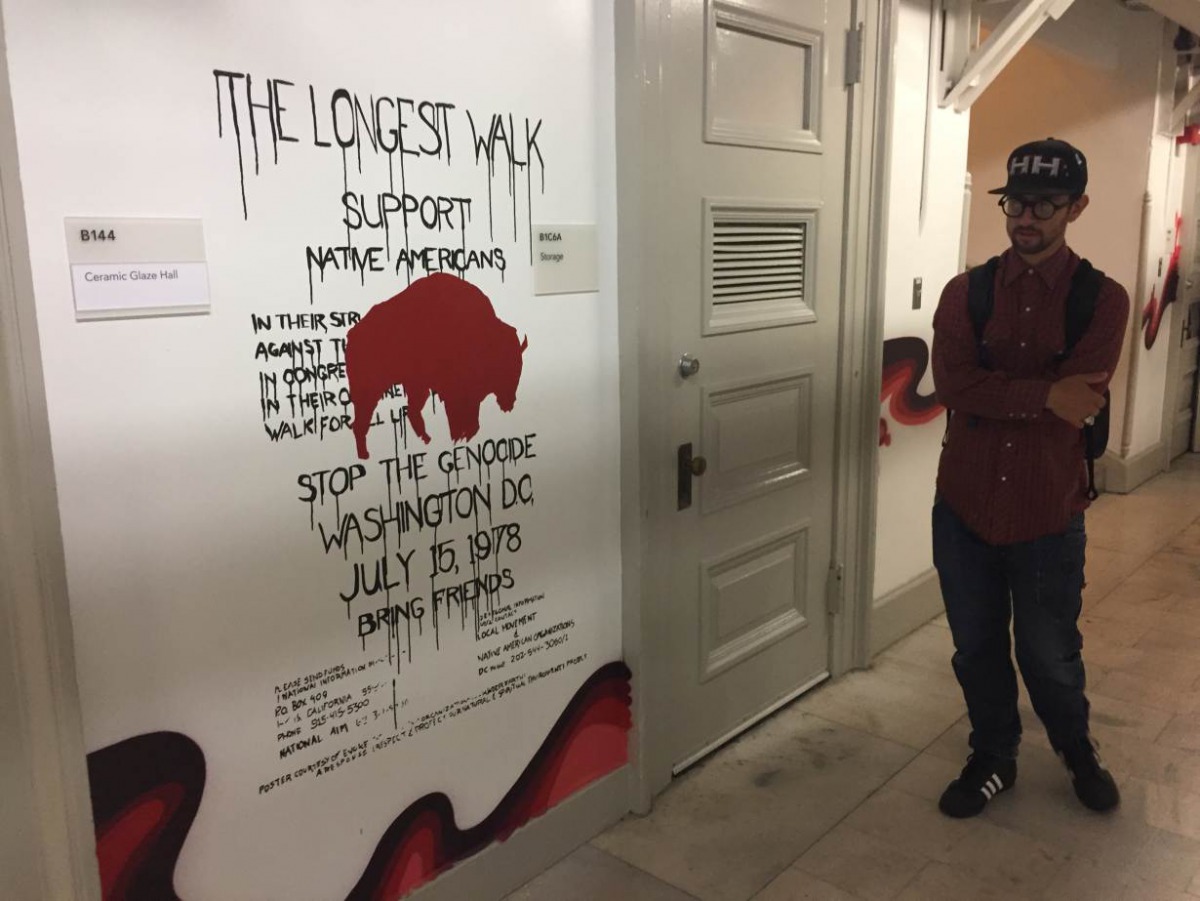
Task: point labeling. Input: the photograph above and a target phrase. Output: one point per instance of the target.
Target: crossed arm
(965, 386)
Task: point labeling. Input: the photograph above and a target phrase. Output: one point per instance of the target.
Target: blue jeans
(1038, 585)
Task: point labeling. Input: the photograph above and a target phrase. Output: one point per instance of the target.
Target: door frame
(1189, 210)
(648, 488)
(46, 730)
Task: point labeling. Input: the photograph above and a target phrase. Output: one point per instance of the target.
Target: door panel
(752, 211)
(753, 598)
(756, 436)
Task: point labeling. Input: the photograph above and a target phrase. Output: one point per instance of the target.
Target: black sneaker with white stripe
(984, 777)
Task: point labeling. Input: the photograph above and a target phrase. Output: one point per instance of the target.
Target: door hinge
(854, 55)
(835, 588)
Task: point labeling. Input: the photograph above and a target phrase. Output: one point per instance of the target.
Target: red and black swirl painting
(1156, 309)
(905, 361)
(146, 791)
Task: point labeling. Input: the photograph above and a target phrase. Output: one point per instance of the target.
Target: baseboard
(1121, 476)
(904, 609)
(505, 866)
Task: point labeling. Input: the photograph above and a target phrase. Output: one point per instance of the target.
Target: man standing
(1008, 532)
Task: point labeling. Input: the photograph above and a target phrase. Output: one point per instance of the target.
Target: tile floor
(834, 798)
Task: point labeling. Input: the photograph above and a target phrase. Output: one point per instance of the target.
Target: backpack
(1080, 307)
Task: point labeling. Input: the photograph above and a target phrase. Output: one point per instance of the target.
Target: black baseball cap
(1045, 167)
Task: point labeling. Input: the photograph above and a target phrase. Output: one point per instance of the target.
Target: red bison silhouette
(439, 336)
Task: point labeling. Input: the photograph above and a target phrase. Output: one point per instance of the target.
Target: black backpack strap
(1081, 303)
(981, 298)
(1081, 307)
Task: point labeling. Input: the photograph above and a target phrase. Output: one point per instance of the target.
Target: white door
(751, 220)
(1182, 428)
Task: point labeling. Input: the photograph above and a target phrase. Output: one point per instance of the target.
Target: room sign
(123, 268)
(564, 259)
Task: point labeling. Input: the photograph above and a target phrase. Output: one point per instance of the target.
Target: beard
(1031, 242)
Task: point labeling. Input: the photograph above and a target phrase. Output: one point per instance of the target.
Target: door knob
(689, 467)
(688, 366)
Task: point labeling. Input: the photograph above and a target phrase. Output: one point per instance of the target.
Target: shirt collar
(1049, 270)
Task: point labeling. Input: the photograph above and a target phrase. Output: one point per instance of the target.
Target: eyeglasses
(1042, 208)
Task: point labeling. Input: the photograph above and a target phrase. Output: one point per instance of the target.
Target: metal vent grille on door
(758, 265)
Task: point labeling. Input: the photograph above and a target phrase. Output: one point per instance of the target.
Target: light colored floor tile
(1187, 541)
(736, 821)
(1008, 859)
(1172, 641)
(1169, 861)
(1176, 629)
(1131, 604)
(894, 700)
(1175, 486)
(1172, 810)
(1181, 621)
(1100, 657)
(939, 882)
(592, 875)
(1143, 892)
(911, 824)
(794, 885)
(1130, 757)
(1141, 690)
(952, 745)
(1111, 717)
(1084, 879)
(865, 865)
(1121, 633)
(927, 776)
(1170, 571)
(1137, 523)
(1105, 570)
(1176, 670)
(1182, 732)
(930, 647)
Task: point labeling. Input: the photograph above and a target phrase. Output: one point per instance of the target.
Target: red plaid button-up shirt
(1011, 469)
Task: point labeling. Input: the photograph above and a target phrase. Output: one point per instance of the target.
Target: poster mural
(1162, 298)
(411, 647)
(905, 362)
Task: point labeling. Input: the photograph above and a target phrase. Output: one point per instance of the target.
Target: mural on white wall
(410, 646)
(1162, 296)
(905, 362)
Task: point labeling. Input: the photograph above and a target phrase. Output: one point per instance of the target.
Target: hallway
(834, 798)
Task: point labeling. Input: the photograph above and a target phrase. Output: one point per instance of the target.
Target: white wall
(1165, 187)
(1091, 78)
(197, 581)
(918, 246)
